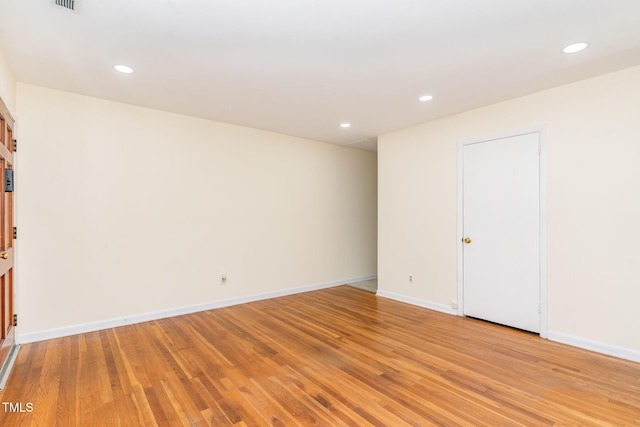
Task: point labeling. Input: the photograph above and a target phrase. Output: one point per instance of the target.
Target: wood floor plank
(334, 357)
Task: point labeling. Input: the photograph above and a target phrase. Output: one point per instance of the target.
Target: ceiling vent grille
(67, 4)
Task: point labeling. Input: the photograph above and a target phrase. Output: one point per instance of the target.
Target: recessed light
(425, 98)
(575, 47)
(123, 69)
(345, 125)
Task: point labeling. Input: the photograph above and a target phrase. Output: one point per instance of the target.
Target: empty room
(293, 213)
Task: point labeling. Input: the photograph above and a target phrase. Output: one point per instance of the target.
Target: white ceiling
(301, 67)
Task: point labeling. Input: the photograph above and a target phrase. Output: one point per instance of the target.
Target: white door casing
(500, 202)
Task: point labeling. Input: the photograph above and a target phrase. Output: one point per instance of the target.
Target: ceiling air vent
(67, 4)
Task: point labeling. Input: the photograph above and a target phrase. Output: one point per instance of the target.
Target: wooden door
(7, 334)
(501, 227)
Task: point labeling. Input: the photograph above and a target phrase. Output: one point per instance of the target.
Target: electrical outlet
(411, 279)
(223, 279)
(454, 305)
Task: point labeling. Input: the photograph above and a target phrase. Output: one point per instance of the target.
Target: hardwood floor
(367, 285)
(340, 356)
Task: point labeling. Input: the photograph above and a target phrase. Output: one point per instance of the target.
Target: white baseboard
(361, 279)
(420, 303)
(162, 314)
(597, 346)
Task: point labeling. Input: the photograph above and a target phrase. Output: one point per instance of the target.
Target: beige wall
(593, 206)
(7, 84)
(125, 210)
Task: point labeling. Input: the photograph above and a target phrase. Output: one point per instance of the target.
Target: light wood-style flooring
(333, 357)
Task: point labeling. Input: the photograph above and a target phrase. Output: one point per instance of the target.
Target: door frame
(8, 342)
(541, 131)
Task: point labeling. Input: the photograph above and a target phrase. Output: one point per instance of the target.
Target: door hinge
(15, 145)
(15, 320)
(8, 180)
(15, 232)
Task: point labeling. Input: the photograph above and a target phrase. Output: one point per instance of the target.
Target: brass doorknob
(467, 240)
(4, 255)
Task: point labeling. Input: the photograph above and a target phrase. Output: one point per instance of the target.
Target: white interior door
(501, 225)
